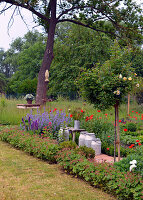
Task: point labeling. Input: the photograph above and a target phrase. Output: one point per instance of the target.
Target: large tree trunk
(48, 57)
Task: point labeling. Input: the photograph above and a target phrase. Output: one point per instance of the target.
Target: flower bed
(125, 185)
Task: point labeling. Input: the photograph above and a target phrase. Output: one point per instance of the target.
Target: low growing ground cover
(125, 185)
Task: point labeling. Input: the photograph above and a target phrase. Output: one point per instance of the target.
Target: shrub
(67, 144)
(83, 150)
(124, 164)
(126, 186)
(132, 127)
(88, 152)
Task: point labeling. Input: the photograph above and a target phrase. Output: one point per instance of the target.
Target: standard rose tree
(107, 85)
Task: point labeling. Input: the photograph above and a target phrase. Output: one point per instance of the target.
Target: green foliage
(75, 48)
(77, 113)
(131, 127)
(33, 144)
(3, 101)
(68, 144)
(86, 151)
(124, 185)
(105, 85)
(2, 82)
(124, 164)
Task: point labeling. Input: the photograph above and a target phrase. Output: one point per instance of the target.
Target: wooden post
(115, 137)
(128, 104)
(117, 133)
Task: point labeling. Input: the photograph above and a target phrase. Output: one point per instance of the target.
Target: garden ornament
(133, 162)
(47, 75)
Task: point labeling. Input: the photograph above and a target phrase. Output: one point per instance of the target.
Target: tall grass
(10, 114)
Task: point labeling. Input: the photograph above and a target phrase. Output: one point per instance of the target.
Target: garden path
(104, 158)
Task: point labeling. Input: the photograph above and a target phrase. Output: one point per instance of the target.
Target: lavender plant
(51, 121)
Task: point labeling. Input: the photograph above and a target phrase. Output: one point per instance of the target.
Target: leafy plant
(77, 114)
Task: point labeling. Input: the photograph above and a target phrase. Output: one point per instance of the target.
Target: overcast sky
(18, 28)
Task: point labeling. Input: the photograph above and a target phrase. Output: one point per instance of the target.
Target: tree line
(76, 48)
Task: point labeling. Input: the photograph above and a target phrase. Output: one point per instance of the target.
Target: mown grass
(23, 177)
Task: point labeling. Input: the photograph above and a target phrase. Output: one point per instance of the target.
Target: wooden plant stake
(128, 104)
(117, 133)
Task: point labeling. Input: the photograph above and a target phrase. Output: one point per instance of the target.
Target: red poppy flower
(98, 110)
(132, 111)
(81, 110)
(136, 112)
(137, 140)
(125, 129)
(107, 149)
(139, 144)
(106, 114)
(71, 115)
(109, 136)
(130, 147)
(129, 114)
(91, 117)
(119, 120)
(142, 118)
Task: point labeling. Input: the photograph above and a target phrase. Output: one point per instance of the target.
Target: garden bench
(25, 106)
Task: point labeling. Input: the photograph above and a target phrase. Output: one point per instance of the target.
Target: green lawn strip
(24, 177)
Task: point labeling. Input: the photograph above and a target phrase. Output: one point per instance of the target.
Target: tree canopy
(125, 17)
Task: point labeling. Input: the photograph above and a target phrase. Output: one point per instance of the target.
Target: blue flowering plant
(47, 123)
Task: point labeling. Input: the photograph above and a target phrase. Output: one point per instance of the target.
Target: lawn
(27, 178)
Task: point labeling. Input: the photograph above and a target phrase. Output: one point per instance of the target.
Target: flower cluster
(77, 114)
(54, 118)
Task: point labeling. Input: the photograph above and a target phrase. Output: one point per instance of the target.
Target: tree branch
(71, 9)
(85, 25)
(4, 9)
(26, 6)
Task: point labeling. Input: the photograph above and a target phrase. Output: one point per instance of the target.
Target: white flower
(124, 78)
(120, 76)
(118, 92)
(130, 78)
(137, 85)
